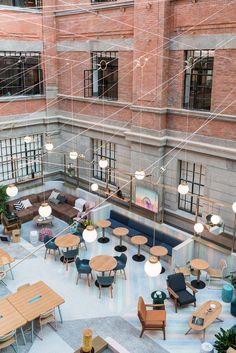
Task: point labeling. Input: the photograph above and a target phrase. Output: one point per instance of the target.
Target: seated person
(119, 193)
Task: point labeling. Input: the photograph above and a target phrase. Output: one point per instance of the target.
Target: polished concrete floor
(82, 302)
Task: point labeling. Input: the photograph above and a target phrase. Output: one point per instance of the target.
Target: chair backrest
(176, 282)
(23, 286)
(123, 258)
(7, 336)
(105, 280)
(47, 238)
(47, 314)
(77, 262)
(223, 265)
(71, 253)
(141, 309)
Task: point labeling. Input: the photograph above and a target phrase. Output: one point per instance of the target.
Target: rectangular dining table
(34, 300)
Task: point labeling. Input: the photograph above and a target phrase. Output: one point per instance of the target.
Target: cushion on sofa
(43, 196)
(54, 194)
(54, 201)
(61, 198)
(119, 217)
(26, 203)
(79, 204)
(133, 232)
(70, 199)
(33, 198)
(168, 239)
(115, 224)
(142, 228)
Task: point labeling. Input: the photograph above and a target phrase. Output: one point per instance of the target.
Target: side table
(158, 297)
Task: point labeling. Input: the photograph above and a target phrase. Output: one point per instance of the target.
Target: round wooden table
(120, 232)
(67, 241)
(199, 264)
(102, 263)
(159, 251)
(139, 240)
(103, 224)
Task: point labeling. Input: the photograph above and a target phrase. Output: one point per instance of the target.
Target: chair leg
(124, 273)
(164, 333)
(77, 281)
(66, 265)
(115, 276)
(141, 333)
(91, 275)
(55, 258)
(175, 306)
(111, 292)
(100, 291)
(45, 254)
(88, 279)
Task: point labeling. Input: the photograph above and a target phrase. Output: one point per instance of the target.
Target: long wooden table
(6, 259)
(34, 300)
(10, 318)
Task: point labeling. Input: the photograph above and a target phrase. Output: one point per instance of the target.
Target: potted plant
(232, 278)
(4, 198)
(225, 339)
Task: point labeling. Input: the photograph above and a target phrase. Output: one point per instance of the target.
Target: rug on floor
(16, 250)
(111, 326)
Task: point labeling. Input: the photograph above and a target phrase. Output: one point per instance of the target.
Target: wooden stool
(16, 236)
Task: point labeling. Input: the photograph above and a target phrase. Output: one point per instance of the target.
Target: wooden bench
(114, 346)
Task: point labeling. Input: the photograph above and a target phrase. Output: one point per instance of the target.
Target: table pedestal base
(62, 259)
(138, 258)
(198, 284)
(120, 248)
(103, 240)
(163, 270)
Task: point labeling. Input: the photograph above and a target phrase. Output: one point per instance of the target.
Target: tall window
(106, 150)
(22, 3)
(20, 160)
(194, 175)
(102, 80)
(20, 73)
(198, 79)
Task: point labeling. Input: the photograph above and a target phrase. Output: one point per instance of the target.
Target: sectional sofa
(137, 228)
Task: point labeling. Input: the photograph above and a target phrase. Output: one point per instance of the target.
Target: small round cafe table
(139, 240)
(120, 232)
(103, 224)
(159, 251)
(102, 263)
(199, 264)
(67, 241)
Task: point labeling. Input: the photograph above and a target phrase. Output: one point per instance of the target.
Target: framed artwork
(146, 198)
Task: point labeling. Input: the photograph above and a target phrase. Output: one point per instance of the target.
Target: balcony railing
(22, 3)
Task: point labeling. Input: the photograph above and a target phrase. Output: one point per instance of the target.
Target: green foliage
(85, 223)
(3, 199)
(224, 340)
(232, 278)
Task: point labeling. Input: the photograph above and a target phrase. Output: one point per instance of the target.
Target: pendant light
(139, 174)
(94, 187)
(183, 188)
(103, 163)
(90, 234)
(73, 155)
(215, 219)
(152, 267)
(45, 210)
(27, 139)
(12, 190)
(49, 146)
(198, 228)
(234, 207)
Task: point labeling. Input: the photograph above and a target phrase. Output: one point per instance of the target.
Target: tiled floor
(83, 302)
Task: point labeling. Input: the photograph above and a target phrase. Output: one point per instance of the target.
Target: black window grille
(20, 73)
(96, 1)
(102, 80)
(194, 175)
(22, 3)
(107, 150)
(198, 79)
(20, 160)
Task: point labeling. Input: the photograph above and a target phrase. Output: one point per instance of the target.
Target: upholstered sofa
(137, 228)
(64, 211)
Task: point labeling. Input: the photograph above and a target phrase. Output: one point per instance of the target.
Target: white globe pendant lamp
(73, 155)
(139, 174)
(152, 267)
(94, 187)
(215, 219)
(49, 146)
(234, 207)
(12, 190)
(27, 139)
(183, 188)
(90, 234)
(45, 210)
(103, 163)
(198, 228)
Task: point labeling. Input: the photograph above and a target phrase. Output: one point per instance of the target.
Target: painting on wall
(146, 198)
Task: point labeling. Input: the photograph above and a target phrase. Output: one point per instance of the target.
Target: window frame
(103, 149)
(24, 3)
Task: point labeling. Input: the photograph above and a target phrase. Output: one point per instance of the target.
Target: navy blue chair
(105, 281)
(83, 267)
(121, 264)
(79, 233)
(50, 245)
(70, 256)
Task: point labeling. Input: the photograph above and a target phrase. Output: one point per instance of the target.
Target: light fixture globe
(183, 188)
(198, 228)
(90, 234)
(94, 187)
(49, 146)
(27, 139)
(139, 174)
(215, 219)
(45, 210)
(103, 163)
(152, 267)
(73, 154)
(234, 207)
(11, 190)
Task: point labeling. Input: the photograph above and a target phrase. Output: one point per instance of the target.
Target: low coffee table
(139, 240)
(40, 221)
(103, 224)
(120, 232)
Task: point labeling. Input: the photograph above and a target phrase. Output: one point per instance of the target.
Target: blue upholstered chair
(176, 287)
(105, 281)
(70, 256)
(79, 233)
(233, 307)
(50, 245)
(83, 267)
(121, 264)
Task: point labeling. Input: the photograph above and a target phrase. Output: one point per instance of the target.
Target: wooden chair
(23, 287)
(48, 317)
(105, 281)
(9, 340)
(151, 319)
(216, 273)
(9, 226)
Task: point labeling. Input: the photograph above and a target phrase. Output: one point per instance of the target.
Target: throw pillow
(53, 195)
(18, 206)
(54, 201)
(61, 198)
(26, 203)
(79, 204)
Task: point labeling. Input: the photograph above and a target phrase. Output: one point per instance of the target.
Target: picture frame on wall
(147, 198)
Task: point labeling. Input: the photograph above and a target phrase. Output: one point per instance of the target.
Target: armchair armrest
(155, 305)
(170, 290)
(191, 287)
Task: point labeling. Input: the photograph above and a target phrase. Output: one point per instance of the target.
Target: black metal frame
(198, 79)
(193, 175)
(96, 1)
(107, 150)
(103, 76)
(22, 3)
(20, 73)
(19, 159)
